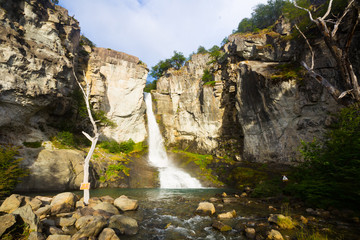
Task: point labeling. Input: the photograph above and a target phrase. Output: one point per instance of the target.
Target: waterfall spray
(170, 176)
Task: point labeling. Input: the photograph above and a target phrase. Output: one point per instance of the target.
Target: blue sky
(153, 29)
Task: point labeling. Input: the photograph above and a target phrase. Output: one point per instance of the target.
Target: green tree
(55, 1)
(176, 61)
(201, 50)
(330, 174)
(10, 170)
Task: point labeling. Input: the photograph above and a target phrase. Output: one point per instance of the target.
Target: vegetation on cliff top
(176, 62)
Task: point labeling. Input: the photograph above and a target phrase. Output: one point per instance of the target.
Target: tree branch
(309, 45)
(338, 22)
(328, 10)
(305, 9)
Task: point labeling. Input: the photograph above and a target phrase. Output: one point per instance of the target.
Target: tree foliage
(263, 16)
(176, 62)
(10, 170)
(330, 174)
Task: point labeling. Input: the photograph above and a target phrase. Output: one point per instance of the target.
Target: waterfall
(170, 176)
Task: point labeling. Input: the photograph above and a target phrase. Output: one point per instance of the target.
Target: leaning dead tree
(86, 93)
(339, 49)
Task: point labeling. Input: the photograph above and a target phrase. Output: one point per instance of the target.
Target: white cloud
(153, 29)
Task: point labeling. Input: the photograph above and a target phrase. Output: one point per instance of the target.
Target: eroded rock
(126, 204)
(124, 224)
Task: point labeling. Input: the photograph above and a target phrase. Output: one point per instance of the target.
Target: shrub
(330, 174)
(207, 76)
(10, 170)
(66, 138)
(150, 86)
(115, 147)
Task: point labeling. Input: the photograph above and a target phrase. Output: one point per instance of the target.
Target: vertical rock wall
(118, 80)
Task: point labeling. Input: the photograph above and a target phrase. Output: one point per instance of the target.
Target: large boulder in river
(63, 202)
(11, 203)
(126, 204)
(123, 224)
(205, 208)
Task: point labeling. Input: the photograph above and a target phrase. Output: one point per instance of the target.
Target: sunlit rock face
(117, 81)
(38, 43)
(191, 114)
(249, 114)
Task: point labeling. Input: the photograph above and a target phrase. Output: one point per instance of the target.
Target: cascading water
(170, 176)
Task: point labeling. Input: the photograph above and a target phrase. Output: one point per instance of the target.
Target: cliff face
(39, 51)
(261, 105)
(191, 114)
(117, 81)
(38, 43)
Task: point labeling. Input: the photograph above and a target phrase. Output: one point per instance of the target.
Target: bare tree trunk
(93, 140)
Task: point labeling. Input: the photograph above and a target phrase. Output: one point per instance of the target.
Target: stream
(170, 214)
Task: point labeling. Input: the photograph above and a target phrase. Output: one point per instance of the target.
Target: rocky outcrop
(261, 104)
(118, 80)
(191, 114)
(38, 43)
(60, 169)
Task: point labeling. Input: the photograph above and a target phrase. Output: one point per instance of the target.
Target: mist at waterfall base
(169, 175)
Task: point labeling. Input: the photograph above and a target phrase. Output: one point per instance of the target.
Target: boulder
(107, 207)
(44, 200)
(55, 231)
(274, 235)
(67, 221)
(89, 226)
(221, 226)
(205, 208)
(126, 204)
(43, 211)
(11, 203)
(284, 222)
(6, 221)
(108, 234)
(227, 215)
(28, 217)
(107, 199)
(63, 202)
(34, 203)
(59, 237)
(250, 233)
(124, 224)
(36, 236)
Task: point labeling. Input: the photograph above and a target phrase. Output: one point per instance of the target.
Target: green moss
(285, 222)
(203, 162)
(211, 83)
(287, 72)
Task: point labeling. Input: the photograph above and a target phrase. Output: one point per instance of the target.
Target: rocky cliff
(117, 83)
(261, 105)
(38, 44)
(39, 51)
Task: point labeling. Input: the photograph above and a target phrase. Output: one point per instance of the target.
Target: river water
(170, 213)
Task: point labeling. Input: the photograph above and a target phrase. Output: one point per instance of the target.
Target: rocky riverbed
(170, 214)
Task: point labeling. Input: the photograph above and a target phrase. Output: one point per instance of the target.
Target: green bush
(66, 138)
(115, 147)
(176, 62)
(10, 170)
(207, 76)
(330, 174)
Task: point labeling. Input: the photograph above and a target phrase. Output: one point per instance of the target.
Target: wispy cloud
(153, 29)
